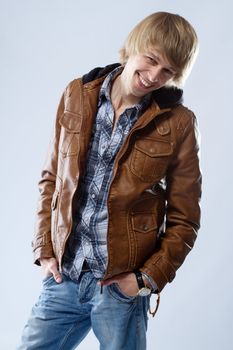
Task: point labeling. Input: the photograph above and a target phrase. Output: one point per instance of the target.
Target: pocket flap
(144, 222)
(154, 148)
(71, 122)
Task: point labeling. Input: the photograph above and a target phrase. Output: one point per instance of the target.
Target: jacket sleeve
(42, 245)
(183, 192)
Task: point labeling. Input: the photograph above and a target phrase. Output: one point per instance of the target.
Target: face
(146, 72)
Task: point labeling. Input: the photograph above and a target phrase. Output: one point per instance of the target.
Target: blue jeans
(65, 313)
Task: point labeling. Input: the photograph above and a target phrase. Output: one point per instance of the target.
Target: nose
(154, 74)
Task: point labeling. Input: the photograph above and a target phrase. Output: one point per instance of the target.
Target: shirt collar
(107, 84)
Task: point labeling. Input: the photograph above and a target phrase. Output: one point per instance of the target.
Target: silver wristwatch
(143, 290)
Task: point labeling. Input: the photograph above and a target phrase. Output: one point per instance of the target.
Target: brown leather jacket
(153, 201)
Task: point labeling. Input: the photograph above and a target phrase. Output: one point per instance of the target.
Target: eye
(151, 60)
(168, 72)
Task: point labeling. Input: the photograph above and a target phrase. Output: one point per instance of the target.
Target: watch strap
(139, 279)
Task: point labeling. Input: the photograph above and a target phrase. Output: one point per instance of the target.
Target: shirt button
(145, 227)
(93, 195)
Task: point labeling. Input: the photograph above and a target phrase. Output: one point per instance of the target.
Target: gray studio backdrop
(43, 45)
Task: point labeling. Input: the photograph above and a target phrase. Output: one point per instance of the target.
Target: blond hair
(172, 35)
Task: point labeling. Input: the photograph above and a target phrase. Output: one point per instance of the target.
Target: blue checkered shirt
(88, 239)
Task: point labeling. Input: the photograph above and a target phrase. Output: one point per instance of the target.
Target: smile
(144, 83)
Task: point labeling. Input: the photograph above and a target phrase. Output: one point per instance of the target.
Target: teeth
(144, 82)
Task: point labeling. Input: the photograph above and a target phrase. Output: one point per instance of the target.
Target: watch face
(144, 292)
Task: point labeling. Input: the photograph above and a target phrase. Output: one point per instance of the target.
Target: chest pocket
(69, 137)
(150, 158)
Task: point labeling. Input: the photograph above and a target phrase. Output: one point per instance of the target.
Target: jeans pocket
(47, 280)
(116, 293)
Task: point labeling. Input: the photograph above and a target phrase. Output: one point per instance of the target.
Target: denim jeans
(65, 313)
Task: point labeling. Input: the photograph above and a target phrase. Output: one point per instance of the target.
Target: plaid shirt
(88, 239)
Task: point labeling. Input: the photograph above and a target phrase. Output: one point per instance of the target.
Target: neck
(119, 96)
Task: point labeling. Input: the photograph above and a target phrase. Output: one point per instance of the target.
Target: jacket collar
(165, 97)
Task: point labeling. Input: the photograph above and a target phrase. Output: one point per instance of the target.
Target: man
(119, 193)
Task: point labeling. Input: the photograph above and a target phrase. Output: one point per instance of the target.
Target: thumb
(109, 281)
(56, 274)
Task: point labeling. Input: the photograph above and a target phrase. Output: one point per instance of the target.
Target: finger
(56, 274)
